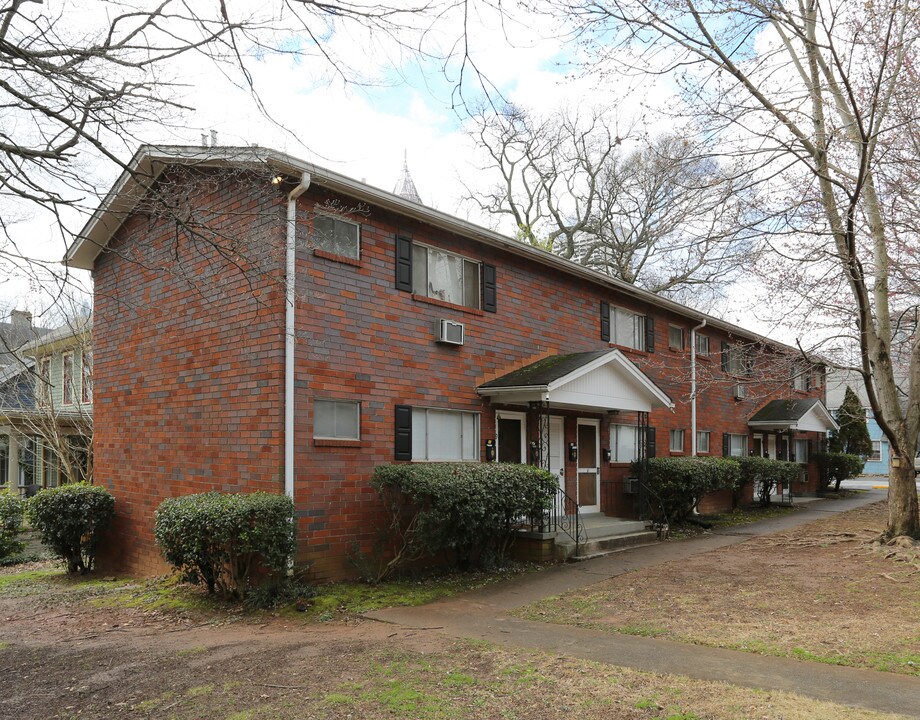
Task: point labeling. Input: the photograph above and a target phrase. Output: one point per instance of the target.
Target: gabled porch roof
(596, 381)
(805, 415)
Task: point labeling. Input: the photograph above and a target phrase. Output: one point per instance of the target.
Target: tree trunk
(902, 500)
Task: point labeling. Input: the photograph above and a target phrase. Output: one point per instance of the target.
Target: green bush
(679, 483)
(836, 467)
(219, 538)
(467, 510)
(11, 512)
(70, 519)
(768, 473)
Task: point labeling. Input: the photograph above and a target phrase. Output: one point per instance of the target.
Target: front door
(511, 434)
(589, 465)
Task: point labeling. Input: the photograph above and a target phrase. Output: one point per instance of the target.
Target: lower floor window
(801, 451)
(623, 445)
(444, 434)
(702, 442)
(737, 445)
(677, 441)
(336, 420)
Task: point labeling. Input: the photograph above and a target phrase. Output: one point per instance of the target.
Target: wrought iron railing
(562, 516)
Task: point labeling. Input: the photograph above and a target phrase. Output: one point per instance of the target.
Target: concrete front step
(595, 547)
(601, 526)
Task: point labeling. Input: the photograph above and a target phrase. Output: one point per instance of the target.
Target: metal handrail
(563, 516)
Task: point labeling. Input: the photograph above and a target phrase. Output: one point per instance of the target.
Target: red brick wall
(189, 374)
(188, 359)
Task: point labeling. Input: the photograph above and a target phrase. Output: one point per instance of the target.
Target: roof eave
(98, 230)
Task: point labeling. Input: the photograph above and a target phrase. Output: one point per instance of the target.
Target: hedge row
(465, 510)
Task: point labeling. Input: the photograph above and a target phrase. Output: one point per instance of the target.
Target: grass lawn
(820, 592)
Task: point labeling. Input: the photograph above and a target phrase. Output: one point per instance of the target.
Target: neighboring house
(837, 382)
(46, 412)
(15, 333)
(239, 351)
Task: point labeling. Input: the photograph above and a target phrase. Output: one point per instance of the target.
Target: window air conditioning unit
(631, 486)
(450, 332)
(740, 392)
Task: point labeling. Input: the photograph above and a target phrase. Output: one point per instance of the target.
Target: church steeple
(404, 186)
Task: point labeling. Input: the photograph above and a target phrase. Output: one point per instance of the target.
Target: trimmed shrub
(836, 467)
(679, 483)
(218, 539)
(70, 519)
(11, 513)
(768, 474)
(468, 510)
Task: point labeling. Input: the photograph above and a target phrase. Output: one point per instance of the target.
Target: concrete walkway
(483, 614)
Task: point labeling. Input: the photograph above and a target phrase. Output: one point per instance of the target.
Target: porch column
(14, 460)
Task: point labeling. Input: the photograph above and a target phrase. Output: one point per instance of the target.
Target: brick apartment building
(406, 335)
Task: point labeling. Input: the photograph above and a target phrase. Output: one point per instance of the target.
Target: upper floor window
(445, 276)
(337, 236)
(627, 328)
(86, 388)
(800, 381)
(67, 388)
(675, 337)
(702, 344)
(43, 382)
(336, 420)
(736, 360)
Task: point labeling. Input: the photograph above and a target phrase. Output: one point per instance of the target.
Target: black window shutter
(605, 321)
(649, 333)
(403, 264)
(489, 295)
(650, 446)
(403, 432)
(724, 356)
(726, 445)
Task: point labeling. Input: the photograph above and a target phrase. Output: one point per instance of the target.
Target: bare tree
(82, 83)
(664, 216)
(820, 96)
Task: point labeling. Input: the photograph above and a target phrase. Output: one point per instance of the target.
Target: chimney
(21, 318)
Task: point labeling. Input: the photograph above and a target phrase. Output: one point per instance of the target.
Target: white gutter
(289, 334)
(693, 387)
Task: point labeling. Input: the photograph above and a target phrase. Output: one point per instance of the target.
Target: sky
(365, 131)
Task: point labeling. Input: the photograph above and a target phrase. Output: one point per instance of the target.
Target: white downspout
(289, 334)
(693, 386)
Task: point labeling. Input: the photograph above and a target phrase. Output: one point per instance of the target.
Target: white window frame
(702, 348)
(426, 411)
(673, 435)
(86, 376)
(336, 403)
(800, 381)
(336, 218)
(700, 434)
(475, 302)
(618, 317)
(671, 345)
(67, 398)
(876, 455)
(509, 415)
(43, 382)
(615, 431)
